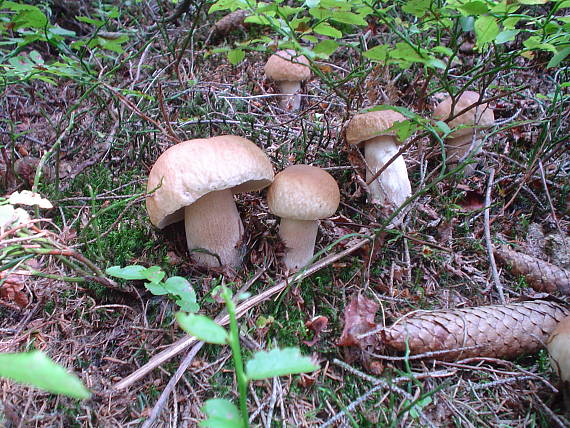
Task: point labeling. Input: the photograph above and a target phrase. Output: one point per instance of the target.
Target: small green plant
(176, 287)
(36, 369)
(222, 413)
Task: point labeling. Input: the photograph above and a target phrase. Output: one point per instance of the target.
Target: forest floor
(436, 259)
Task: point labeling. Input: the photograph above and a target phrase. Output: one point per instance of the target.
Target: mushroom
(558, 345)
(462, 143)
(195, 181)
(288, 69)
(301, 195)
(392, 187)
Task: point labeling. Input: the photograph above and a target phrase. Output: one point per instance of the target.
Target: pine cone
(500, 331)
(540, 275)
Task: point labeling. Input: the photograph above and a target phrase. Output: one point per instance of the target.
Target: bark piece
(540, 275)
(499, 331)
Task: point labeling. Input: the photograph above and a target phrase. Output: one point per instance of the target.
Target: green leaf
(91, 21)
(278, 362)
(202, 328)
(181, 288)
(221, 413)
(154, 274)
(377, 53)
(327, 30)
(532, 2)
(418, 8)
(128, 272)
(346, 17)
(443, 127)
(474, 8)
(36, 369)
(156, 288)
(235, 56)
(325, 48)
(558, 58)
(486, 30)
(506, 36)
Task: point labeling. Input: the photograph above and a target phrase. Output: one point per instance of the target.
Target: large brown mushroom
(372, 130)
(288, 69)
(301, 195)
(462, 142)
(195, 181)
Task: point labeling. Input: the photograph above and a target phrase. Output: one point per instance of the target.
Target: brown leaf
(499, 331)
(540, 275)
(358, 319)
(472, 201)
(317, 325)
(11, 290)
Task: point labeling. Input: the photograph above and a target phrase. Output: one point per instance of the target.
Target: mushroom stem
(291, 98)
(458, 148)
(299, 237)
(213, 223)
(393, 187)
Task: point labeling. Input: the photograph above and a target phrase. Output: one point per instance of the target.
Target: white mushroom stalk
(373, 130)
(288, 69)
(299, 237)
(290, 98)
(393, 186)
(213, 224)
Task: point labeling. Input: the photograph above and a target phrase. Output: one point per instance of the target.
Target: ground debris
(540, 275)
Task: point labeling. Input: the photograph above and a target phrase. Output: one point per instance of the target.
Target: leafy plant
(263, 365)
(36, 369)
(176, 287)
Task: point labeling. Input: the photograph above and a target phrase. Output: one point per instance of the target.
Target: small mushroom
(393, 186)
(558, 345)
(301, 195)
(462, 143)
(288, 69)
(195, 181)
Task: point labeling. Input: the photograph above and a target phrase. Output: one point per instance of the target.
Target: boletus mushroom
(195, 181)
(558, 345)
(372, 130)
(288, 69)
(462, 142)
(301, 195)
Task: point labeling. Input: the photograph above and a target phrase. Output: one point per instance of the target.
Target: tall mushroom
(462, 143)
(288, 69)
(301, 195)
(371, 129)
(558, 345)
(195, 181)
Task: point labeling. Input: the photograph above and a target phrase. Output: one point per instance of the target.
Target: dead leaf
(472, 201)
(11, 289)
(358, 319)
(317, 325)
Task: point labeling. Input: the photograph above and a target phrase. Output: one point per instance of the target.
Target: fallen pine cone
(228, 23)
(500, 331)
(540, 275)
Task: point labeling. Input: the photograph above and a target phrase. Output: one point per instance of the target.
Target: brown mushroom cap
(189, 170)
(480, 116)
(303, 192)
(287, 66)
(365, 126)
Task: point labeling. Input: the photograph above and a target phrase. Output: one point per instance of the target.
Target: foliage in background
(176, 287)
